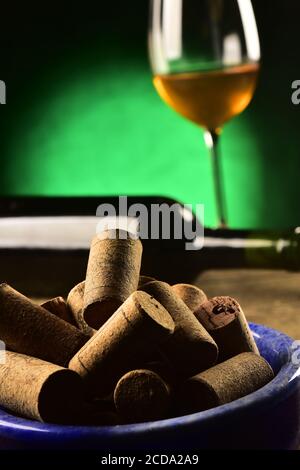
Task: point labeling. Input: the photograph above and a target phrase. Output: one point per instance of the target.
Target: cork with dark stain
(190, 349)
(192, 296)
(112, 275)
(223, 383)
(225, 321)
(140, 396)
(29, 329)
(139, 325)
(39, 390)
(75, 304)
(58, 307)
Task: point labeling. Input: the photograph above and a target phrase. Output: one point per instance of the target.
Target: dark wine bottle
(251, 248)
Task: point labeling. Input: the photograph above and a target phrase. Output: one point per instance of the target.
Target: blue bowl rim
(284, 384)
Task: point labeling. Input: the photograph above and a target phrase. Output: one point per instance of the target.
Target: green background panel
(83, 118)
(107, 132)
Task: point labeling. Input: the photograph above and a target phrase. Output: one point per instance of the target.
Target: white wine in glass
(205, 57)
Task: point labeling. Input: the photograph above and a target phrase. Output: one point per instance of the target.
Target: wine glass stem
(212, 139)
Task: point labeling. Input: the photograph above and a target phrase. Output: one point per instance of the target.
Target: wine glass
(205, 58)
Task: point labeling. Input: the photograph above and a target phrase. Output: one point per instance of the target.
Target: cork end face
(218, 312)
(96, 314)
(192, 296)
(159, 290)
(141, 396)
(117, 234)
(61, 398)
(154, 310)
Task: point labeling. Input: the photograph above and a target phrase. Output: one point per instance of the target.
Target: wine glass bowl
(211, 98)
(205, 58)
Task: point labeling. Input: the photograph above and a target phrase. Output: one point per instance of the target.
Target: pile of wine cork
(124, 348)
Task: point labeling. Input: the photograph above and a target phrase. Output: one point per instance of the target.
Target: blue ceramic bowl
(266, 419)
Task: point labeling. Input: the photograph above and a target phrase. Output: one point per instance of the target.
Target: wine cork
(75, 304)
(58, 307)
(30, 329)
(191, 349)
(144, 280)
(223, 383)
(192, 296)
(140, 396)
(135, 328)
(112, 275)
(39, 390)
(225, 321)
